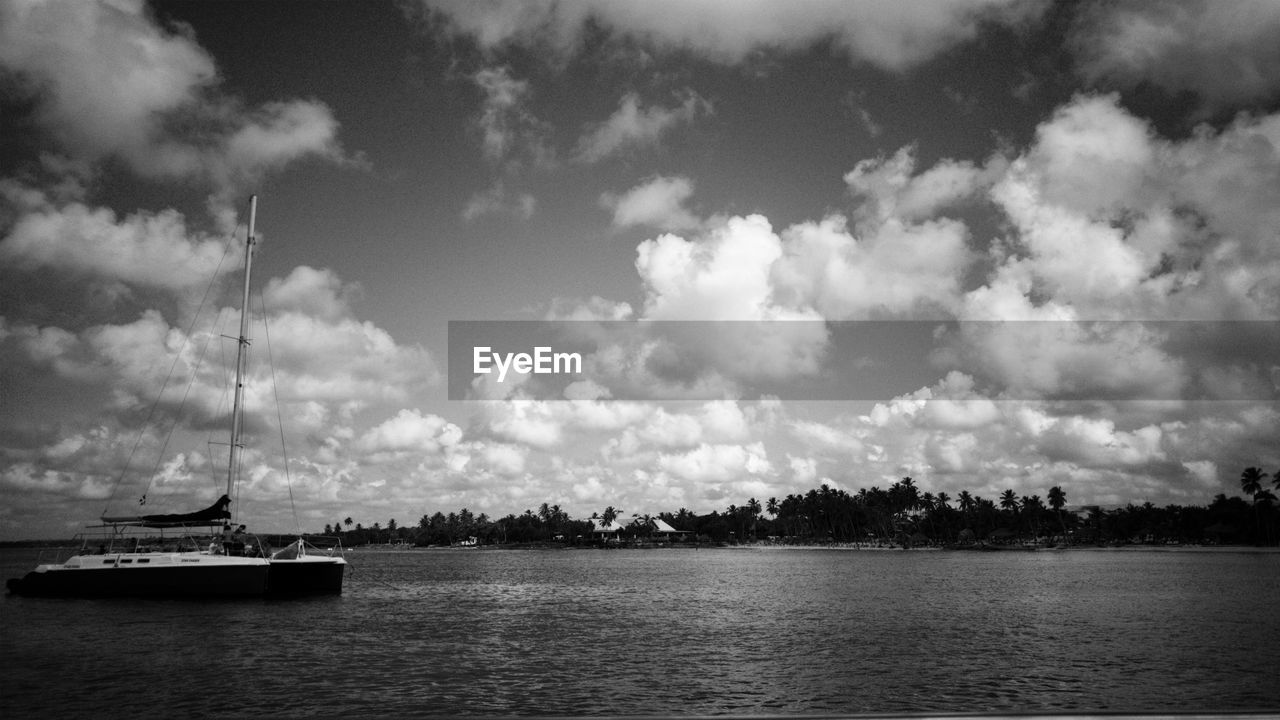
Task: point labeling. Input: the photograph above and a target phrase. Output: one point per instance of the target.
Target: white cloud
(893, 270)
(331, 358)
(1113, 222)
(659, 203)
(105, 72)
(888, 188)
(888, 34)
(410, 431)
(804, 471)
(497, 200)
(1104, 361)
(717, 462)
(345, 360)
(592, 308)
(108, 81)
(633, 126)
(1226, 54)
(309, 291)
(724, 277)
(525, 421)
(1205, 472)
(143, 249)
(509, 131)
(504, 459)
(1095, 442)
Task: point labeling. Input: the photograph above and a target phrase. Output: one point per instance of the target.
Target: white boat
(220, 563)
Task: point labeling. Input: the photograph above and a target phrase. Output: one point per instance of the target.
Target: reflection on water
(675, 632)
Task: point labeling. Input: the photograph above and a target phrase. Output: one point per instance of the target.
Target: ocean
(730, 631)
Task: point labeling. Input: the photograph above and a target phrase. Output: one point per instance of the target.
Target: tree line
(900, 514)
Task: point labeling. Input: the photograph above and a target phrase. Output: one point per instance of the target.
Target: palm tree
(1009, 501)
(1251, 480)
(1032, 508)
(1251, 483)
(1265, 498)
(609, 515)
(940, 506)
(642, 525)
(753, 507)
(684, 519)
(1058, 500)
(967, 506)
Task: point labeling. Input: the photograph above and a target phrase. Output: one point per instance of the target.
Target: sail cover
(212, 515)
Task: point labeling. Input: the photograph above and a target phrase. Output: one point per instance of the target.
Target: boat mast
(242, 351)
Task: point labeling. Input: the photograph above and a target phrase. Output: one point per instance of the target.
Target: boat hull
(305, 576)
(194, 577)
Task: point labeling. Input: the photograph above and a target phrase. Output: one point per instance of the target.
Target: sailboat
(232, 564)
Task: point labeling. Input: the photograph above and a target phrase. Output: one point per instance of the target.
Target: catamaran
(132, 560)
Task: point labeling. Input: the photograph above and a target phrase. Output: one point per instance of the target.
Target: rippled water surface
(728, 631)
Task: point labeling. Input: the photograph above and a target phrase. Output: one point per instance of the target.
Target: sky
(987, 245)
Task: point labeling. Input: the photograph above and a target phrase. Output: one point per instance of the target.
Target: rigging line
(271, 364)
(218, 324)
(181, 405)
(150, 413)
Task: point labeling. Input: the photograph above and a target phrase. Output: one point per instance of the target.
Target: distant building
(662, 529)
(602, 530)
(659, 529)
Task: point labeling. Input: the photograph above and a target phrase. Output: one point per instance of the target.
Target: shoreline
(840, 547)
(760, 547)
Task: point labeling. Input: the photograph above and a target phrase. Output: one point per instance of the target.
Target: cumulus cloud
(1115, 222)
(658, 203)
(1227, 56)
(1071, 360)
(319, 293)
(146, 249)
(717, 462)
(887, 34)
(634, 126)
(724, 274)
(892, 270)
(889, 187)
(330, 358)
(410, 431)
(724, 279)
(740, 280)
(104, 72)
(345, 360)
(108, 81)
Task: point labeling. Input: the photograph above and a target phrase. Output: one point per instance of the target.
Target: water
(678, 632)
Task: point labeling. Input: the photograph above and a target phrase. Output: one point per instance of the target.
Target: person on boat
(233, 542)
